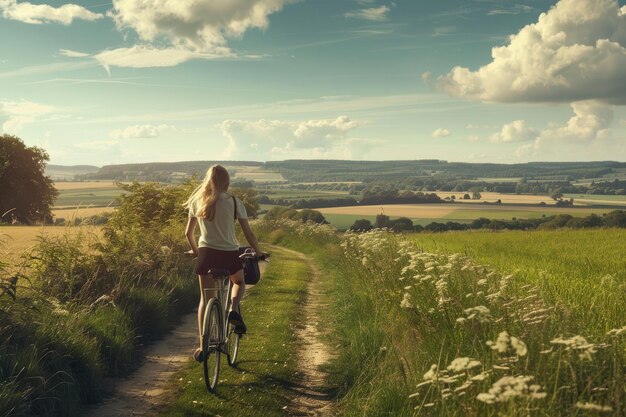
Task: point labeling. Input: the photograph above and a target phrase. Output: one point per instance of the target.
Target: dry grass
(505, 198)
(458, 211)
(429, 211)
(20, 239)
(256, 174)
(79, 185)
(70, 213)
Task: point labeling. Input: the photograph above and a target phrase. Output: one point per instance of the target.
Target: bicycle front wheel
(211, 343)
(233, 342)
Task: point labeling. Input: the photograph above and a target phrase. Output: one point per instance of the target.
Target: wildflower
(432, 373)
(407, 301)
(509, 387)
(518, 346)
(577, 343)
(462, 364)
(594, 407)
(616, 332)
(480, 377)
(482, 281)
(480, 313)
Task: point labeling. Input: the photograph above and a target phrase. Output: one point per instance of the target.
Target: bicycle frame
(223, 293)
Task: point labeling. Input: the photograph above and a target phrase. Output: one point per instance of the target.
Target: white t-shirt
(219, 233)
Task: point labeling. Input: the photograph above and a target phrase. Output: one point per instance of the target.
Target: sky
(107, 82)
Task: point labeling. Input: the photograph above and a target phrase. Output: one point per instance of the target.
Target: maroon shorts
(213, 259)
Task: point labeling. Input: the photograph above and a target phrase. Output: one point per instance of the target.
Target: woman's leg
(205, 281)
(239, 289)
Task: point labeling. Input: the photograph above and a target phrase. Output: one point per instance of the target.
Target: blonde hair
(205, 196)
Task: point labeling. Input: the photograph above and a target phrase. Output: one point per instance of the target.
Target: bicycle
(218, 335)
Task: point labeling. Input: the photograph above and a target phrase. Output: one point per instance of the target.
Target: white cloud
(98, 145)
(591, 122)
(440, 133)
(42, 13)
(377, 14)
(141, 131)
(193, 24)
(72, 54)
(516, 131)
(20, 113)
(513, 10)
(576, 51)
(271, 139)
(145, 56)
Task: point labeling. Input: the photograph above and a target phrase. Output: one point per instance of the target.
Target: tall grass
(442, 333)
(86, 306)
(463, 338)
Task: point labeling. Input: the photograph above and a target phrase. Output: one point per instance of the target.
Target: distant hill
(368, 171)
(162, 171)
(68, 172)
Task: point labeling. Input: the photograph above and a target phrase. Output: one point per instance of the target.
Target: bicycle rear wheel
(233, 343)
(211, 341)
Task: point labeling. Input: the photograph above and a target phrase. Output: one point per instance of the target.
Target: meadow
(474, 323)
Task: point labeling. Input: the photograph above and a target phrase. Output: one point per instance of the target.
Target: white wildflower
(407, 301)
(594, 407)
(462, 364)
(616, 332)
(577, 344)
(480, 313)
(518, 346)
(432, 374)
(509, 387)
(481, 282)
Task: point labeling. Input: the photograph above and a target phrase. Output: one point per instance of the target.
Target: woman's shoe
(236, 320)
(198, 355)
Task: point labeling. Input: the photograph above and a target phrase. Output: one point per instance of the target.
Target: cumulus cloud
(42, 13)
(278, 138)
(440, 133)
(141, 131)
(516, 131)
(576, 51)
(591, 122)
(195, 24)
(376, 14)
(19, 113)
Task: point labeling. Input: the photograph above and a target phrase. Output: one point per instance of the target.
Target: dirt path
(310, 400)
(146, 389)
(143, 392)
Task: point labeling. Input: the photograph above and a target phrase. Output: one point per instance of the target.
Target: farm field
(292, 194)
(491, 197)
(70, 213)
(343, 217)
(89, 196)
(256, 174)
(19, 239)
(590, 199)
(78, 185)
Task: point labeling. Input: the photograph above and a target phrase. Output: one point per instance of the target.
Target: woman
(215, 211)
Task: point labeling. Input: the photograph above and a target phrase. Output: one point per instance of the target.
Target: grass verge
(263, 381)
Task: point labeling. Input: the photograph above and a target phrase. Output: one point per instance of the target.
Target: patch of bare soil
(143, 392)
(310, 398)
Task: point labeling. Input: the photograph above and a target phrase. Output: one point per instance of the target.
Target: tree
(361, 225)
(249, 197)
(26, 193)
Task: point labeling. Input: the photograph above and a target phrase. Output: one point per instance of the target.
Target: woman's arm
(250, 236)
(190, 234)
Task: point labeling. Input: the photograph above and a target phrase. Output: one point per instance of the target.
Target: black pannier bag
(251, 270)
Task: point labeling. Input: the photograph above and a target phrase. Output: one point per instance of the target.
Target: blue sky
(97, 82)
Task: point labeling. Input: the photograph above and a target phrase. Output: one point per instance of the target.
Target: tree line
(616, 218)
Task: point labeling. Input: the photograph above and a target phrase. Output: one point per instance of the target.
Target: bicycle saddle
(219, 273)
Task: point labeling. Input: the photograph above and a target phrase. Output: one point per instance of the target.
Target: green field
(88, 197)
(468, 214)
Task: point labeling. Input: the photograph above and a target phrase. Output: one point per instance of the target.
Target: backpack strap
(235, 204)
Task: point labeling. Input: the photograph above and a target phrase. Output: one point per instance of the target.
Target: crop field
(591, 199)
(256, 174)
(343, 217)
(91, 196)
(17, 240)
(80, 185)
(293, 194)
(491, 197)
(70, 213)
